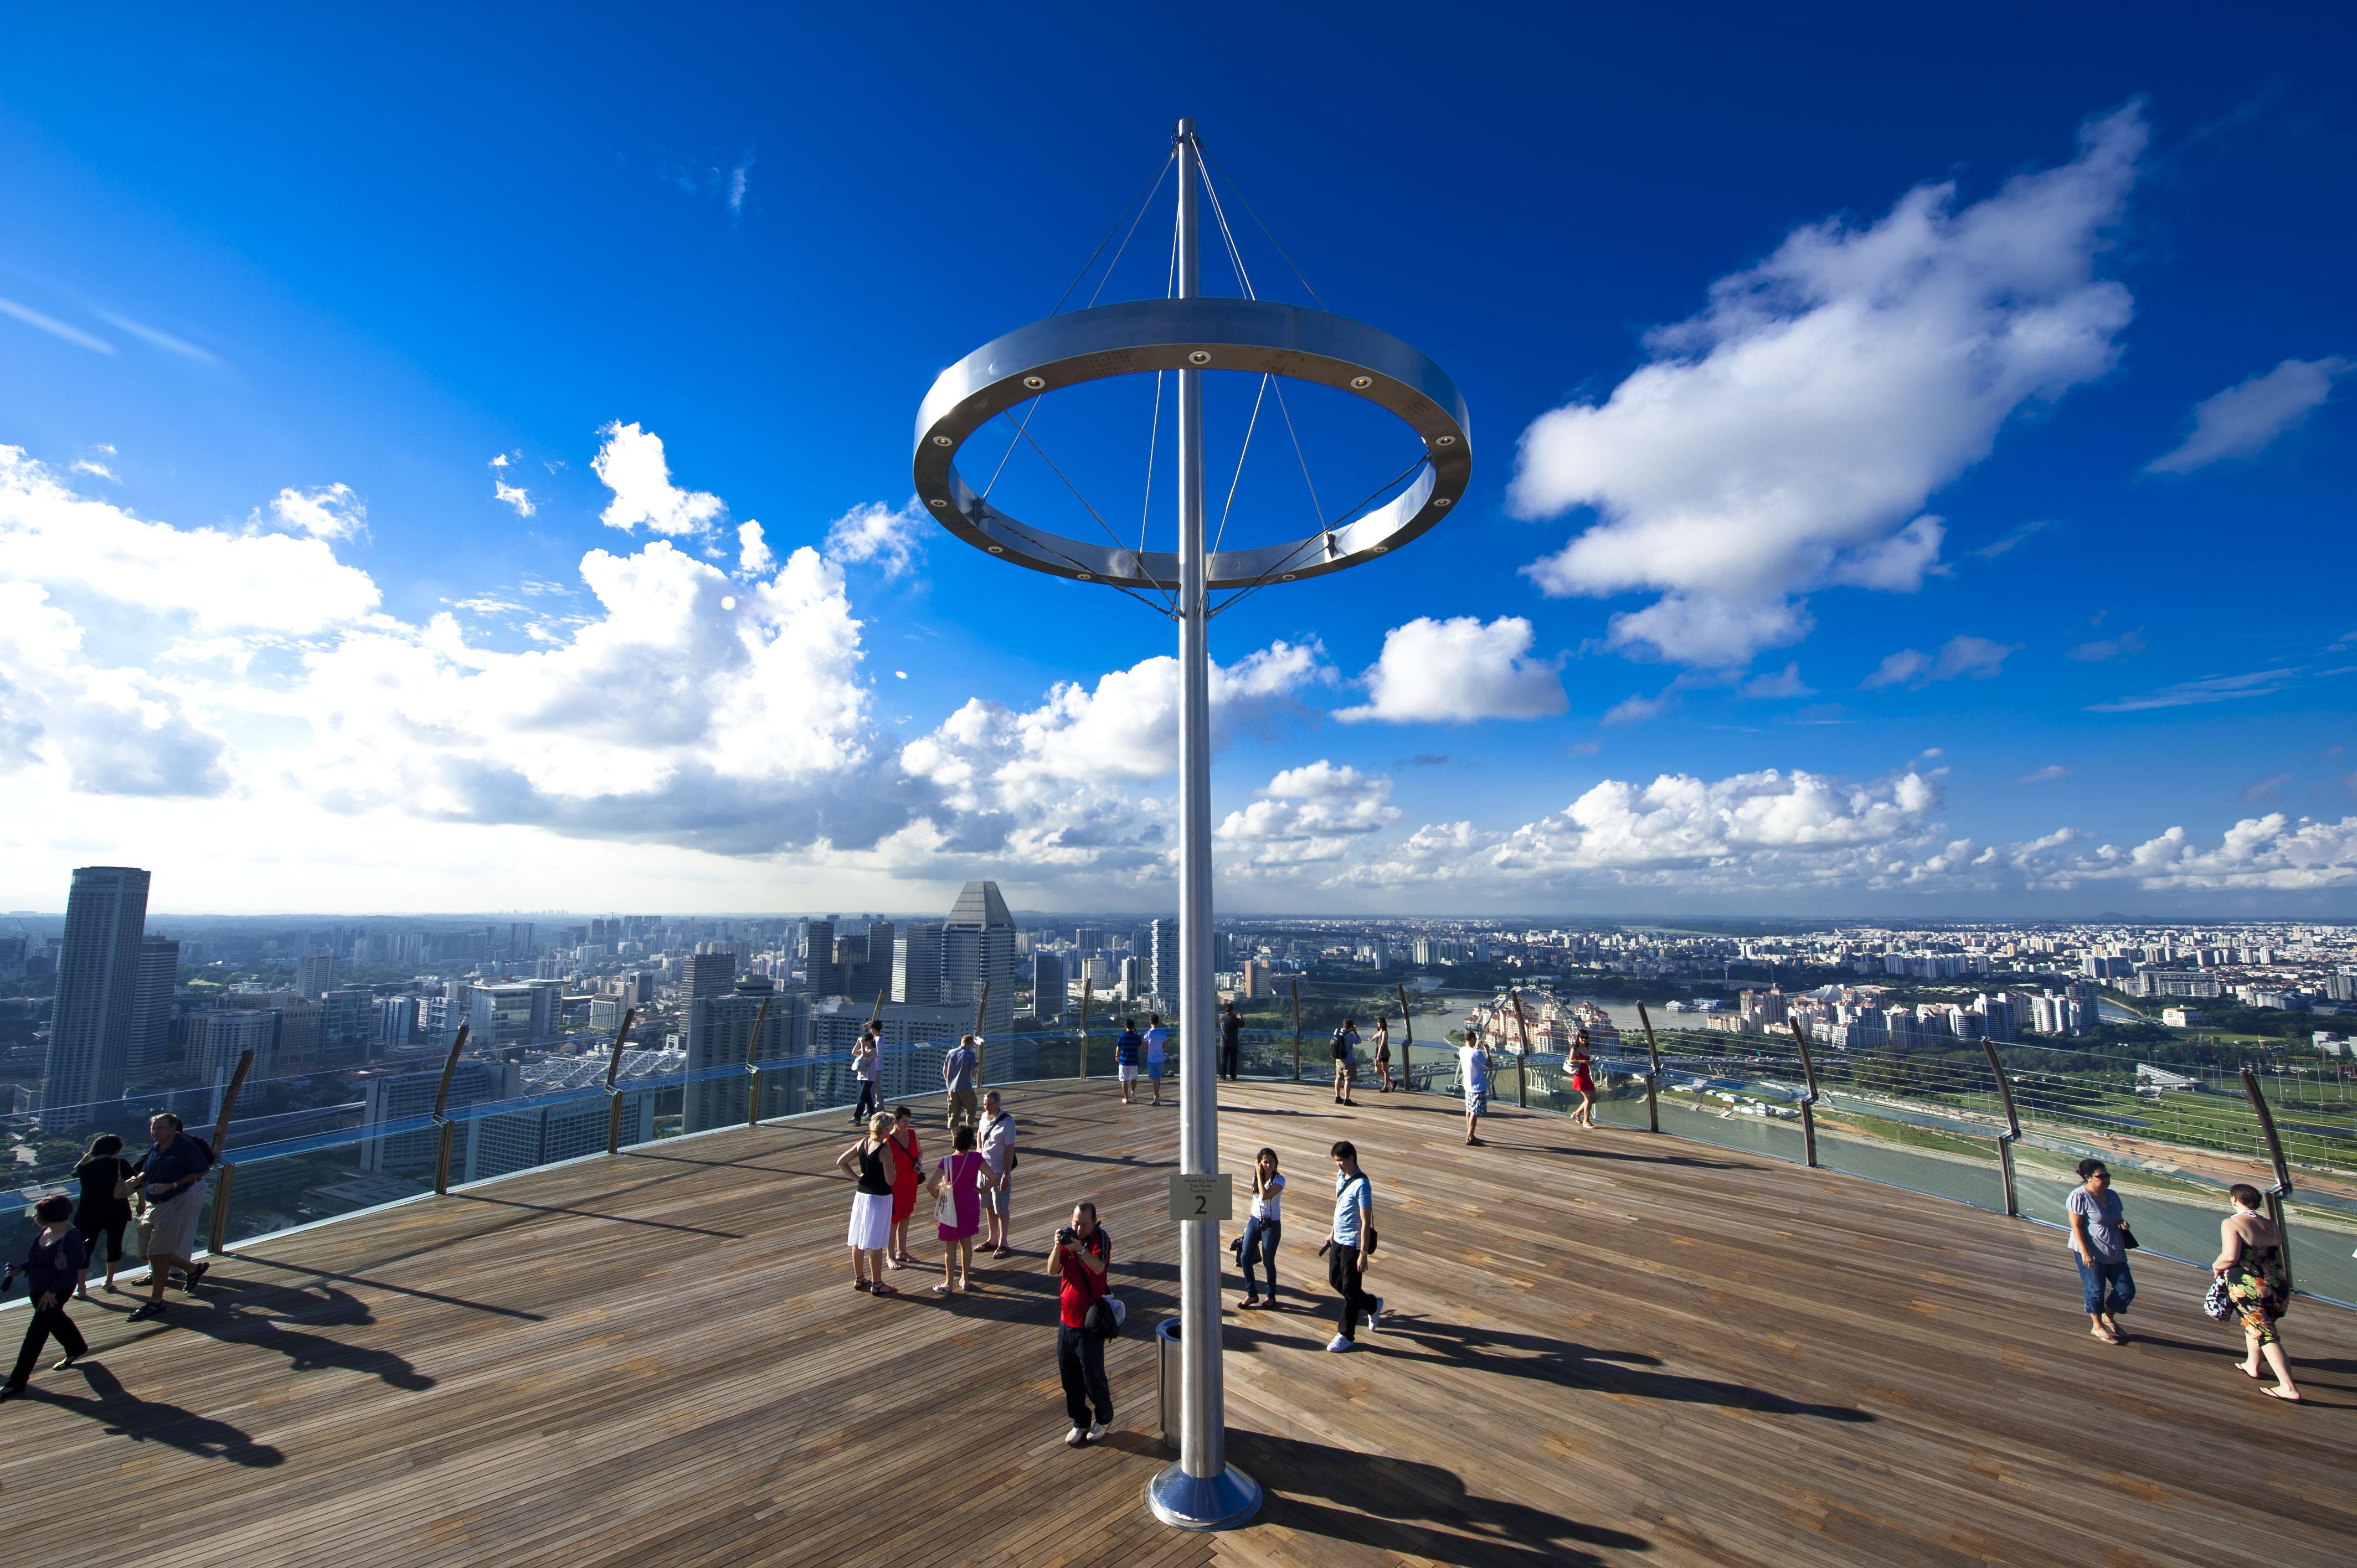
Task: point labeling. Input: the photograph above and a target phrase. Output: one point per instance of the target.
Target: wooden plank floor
(1602, 1347)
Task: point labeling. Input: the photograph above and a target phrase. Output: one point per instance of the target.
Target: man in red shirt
(1081, 1252)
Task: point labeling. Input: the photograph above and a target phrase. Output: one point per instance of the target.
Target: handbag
(1105, 1314)
(2128, 1239)
(945, 1210)
(2217, 1303)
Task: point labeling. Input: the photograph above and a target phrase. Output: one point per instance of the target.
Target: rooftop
(1601, 1347)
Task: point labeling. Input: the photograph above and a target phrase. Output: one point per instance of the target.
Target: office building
(508, 1140)
(822, 976)
(510, 1016)
(96, 1013)
(914, 1036)
(719, 1033)
(707, 974)
(348, 1025)
(1047, 990)
(316, 974)
(917, 963)
(219, 1036)
(398, 1137)
(1089, 938)
(872, 976)
(151, 1024)
(1162, 962)
(396, 1021)
(978, 956)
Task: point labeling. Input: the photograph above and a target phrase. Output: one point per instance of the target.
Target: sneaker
(1075, 1437)
(1375, 1314)
(1097, 1429)
(1338, 1345)
(66, 1365)
(142, 1313)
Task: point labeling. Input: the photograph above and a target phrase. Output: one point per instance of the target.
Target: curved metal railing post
(613, 1095)
(1809, 1098)
(1088, 994)
(2282, 1189)
(1653, 1073)
(1407, 1045)
(226, 1172)
(447, 1129)
(753, 1068)
(1297, 1031)
(1521, 1061)
(2012, 1133)
(979, 1006)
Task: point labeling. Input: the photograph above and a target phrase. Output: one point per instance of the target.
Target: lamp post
(1189, 333)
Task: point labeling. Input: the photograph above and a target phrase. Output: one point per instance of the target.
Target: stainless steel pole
(1199, 1492)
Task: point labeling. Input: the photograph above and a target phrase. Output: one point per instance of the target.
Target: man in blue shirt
(1156, 1039)
(1348, 1245)
(169, 1179)
(957, 1077)
(1125, 1052)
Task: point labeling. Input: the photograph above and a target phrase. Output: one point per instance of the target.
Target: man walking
(999, 1152)
(1231, 1028)
(1158, 1040)
(867, 1059)
(1082, 1255)
(1348, 1245)
(1346, 1062)
(1127, 1049)
(1473, 1066)
(957, 1077)
(169, 1178)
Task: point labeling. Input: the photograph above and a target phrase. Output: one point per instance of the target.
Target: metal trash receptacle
(1170, 1376)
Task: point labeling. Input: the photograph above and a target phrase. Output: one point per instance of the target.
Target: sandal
(942, 1290)
(2279, 1394)
(879, 1288)
(861, 1284)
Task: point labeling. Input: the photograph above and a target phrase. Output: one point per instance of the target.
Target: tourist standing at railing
(1583, 1080)
(1346, 1062)
(1348, 1245)
(1127, 1048)
(958, 1185)
(2258, 1285)
(103, 1213)
(866, 1063)
(1232, 1048)
(998, 1132)
(2100, 1238)
(1263, 1230)
(1473, 1070)
(868, 1164)
(1383, 1055)
(907, 1180)
(1082, 1254)
(958, 1065)
(1158, 1041)
(53, 1269)
(169, 1180)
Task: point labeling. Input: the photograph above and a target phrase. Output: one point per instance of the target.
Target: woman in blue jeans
(1263, 1230)
(2099, 1242)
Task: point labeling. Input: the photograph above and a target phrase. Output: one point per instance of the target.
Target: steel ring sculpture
(1192, 334)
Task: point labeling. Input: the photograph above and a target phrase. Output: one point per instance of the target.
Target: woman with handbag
(1263, 1230)
(958, 1185)
(2100, 1239)
(2250, 1264)
(907, 1180)
(867, 1163)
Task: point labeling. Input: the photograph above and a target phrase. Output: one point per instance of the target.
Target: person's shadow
(256, 1311)
(153, 1421)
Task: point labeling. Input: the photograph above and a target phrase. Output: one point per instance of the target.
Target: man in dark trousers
(1348, 1245)
(1081, 1252)
(1231, 1030)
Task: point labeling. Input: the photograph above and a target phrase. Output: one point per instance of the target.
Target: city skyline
(1861, 526)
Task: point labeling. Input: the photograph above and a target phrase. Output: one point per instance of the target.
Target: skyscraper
(978, 950)
(822, 976)
(1048, 986)
(917, 963)
(719, 1028)
(151, 1024)
(875, 973)
(1162, 958)
(95, 1015)
(707, 974)
(318, 974)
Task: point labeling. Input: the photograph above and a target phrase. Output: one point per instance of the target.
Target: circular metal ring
(1244, 336)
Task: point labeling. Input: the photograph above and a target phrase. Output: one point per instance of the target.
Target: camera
(1067, 1236)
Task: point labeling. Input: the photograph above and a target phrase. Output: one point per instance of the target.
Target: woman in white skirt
(869, 1163)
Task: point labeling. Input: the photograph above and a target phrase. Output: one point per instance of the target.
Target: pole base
(1193, 1502)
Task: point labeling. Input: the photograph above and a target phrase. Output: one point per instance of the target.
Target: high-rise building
(218, 1036)
(318, 974)
(1162, 955)
(917, 963)
(707, 974)
(821, 975)
(508, 1017)
(95, 1016)
(978, 951)
(151, 1024)
(394, 1105)
(1048, 986)
(1089, 938)
(719, 1028)
(914, 1037)
(873, 975)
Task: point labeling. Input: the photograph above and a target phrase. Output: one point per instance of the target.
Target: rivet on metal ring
(940, 441)
(1033, 383)
(1445, 441)
(1198, 357)
(938, 504)
(1362, 382)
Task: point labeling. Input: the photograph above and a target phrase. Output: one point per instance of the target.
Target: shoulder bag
(1107, 1312)
(945, 1210)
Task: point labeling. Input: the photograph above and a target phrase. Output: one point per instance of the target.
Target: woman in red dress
(1583, 1081)
(907, 1180)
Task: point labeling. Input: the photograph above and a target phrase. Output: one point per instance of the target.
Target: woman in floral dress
(2251, 1261)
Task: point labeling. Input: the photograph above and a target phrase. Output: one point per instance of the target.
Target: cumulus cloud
(1975, 656)
(331, 511)
(515, 496)
(2241, 421)
(113, 731)
(631, 464)
(753, 553)
(877, 534)
(1306, 816)
(2269, 853)
(1788, 437)
(1459, 670)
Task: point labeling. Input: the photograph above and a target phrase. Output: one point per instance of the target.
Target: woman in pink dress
(957, 1187)
(1583, 1080)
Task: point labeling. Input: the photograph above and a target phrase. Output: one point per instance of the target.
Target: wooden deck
(1602, 1347)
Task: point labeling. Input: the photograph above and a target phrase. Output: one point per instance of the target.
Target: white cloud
(2268, 854)
(1975, 656)
(111, 731)
(753, 554)
(631, 464)
(1307, 816)
(1788, 437)
(2052, 772)
(877, 534)
(2127, 645)
(55, 328)
(159, 338)
(2241, 421)
(2208, 689)
(507, 494)
(93, 467)
(1457, 670)
(331, 511)
(1786, 683)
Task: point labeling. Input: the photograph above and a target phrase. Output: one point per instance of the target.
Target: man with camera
(1081, 1253)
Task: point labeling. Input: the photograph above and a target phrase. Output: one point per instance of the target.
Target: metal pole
(982, 1004)
(1653, 1077)
(1088, 993)
(2004, 1140)
(1809, 1100)
(613, 1097)
(1202, 1491)
(1407, 1045)
(1297, 1031)
(2282, 1189)
(218, 1240)
(1521, 1073)
(753, 1068)
(449, 1129)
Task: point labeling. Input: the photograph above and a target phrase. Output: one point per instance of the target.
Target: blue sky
(1910, 465)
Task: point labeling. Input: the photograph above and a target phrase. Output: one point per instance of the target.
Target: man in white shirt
(998, 1150)
(1156, 1039)
(1473, 1066)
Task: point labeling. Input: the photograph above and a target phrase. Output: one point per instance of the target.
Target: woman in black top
(102, 1215)
(52, 1268)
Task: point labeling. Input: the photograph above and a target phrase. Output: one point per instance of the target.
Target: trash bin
(1172, 1377)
